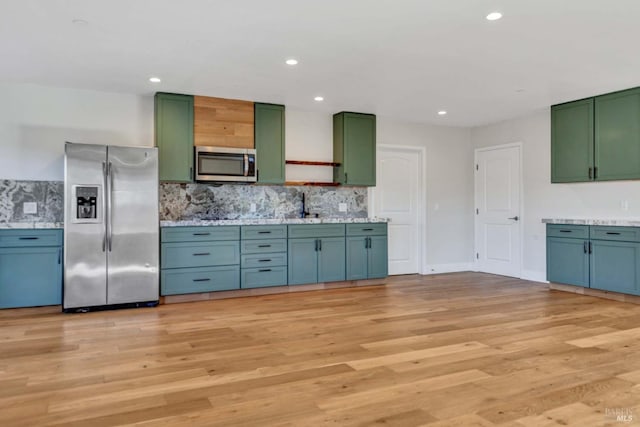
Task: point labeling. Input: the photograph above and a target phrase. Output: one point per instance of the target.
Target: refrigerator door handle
(109, 207)
(104, 208)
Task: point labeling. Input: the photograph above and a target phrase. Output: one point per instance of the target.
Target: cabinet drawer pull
(264, 232)
(202, 254)
(264, 270)
(264, 246)
(201, 280)
(566, 231)
(201, 234)
(367, 229)
(29, 238)
(614, 233)
(264, 260)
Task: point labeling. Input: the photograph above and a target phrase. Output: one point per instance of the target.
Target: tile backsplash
(202, 201)
(196, 201)
(48, 196)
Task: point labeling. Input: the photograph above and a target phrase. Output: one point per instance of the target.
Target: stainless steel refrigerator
(110, 227)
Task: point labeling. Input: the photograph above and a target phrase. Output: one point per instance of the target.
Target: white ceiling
(404, 59)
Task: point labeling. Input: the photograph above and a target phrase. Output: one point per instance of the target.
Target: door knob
(515, 218)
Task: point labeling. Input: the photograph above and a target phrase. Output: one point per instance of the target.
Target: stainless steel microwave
(224, 164)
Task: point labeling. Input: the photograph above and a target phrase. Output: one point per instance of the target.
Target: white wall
(35, 122)
(309, 136)
(545, 200)
(449, 191)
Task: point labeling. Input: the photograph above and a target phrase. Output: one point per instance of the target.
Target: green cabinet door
(302, 261)
(377, 257)
(572, 141)
(615, 266)
(357, 258)
(30, 276)
(354, 148)
(269, 141)
(568, 261)
(174, 136)
(331, 259)
(617, 135)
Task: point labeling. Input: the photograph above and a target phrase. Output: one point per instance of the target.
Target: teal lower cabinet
(30, 268)
(316, 253)
(199, 259)
(599, 257)
(366, 251)
(615, 266)
(263, 251)
(314, 260)
(303, 261)
(331, 259)
(568, 261)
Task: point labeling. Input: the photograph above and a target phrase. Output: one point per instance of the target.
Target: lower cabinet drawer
(263, 260)
(367, 229)
(263, 246)
(180, 255)
(263, 277)
(206, 279)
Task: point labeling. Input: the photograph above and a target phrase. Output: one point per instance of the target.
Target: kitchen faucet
(304, 212)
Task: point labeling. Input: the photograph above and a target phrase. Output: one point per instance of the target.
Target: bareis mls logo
(623, 415)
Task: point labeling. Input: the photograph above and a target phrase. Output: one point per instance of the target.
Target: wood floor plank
(462, 349)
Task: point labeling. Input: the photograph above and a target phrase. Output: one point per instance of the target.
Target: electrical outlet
(342, 207)
(30, 207)
(252, 207)
(624, 204)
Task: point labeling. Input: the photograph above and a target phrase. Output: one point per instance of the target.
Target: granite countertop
(30, 225)
(258, 221)
(624, 222)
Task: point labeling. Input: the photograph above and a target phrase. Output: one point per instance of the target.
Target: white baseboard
(447, 268)
(534, 276)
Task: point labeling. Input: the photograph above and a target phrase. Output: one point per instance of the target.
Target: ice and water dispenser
(86, 199)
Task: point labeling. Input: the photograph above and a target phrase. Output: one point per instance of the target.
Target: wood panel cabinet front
(220, 122)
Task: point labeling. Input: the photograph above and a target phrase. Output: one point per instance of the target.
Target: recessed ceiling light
(494, 16)
(79, 22)
(292, 61)
(318, 98)
(154, 79)
(442, 113)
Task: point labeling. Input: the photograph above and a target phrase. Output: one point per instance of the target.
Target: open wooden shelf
(311, 163)
(313, 183)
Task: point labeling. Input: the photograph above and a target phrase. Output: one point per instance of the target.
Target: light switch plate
(30, 207)
(252, 207)
(342, 207)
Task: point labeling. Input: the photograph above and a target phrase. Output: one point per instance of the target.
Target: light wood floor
(463, 349)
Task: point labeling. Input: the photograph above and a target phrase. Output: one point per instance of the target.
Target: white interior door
(497, 194)
(397, 196)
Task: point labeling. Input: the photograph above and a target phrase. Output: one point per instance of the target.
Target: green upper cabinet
(572, 141)
(596, 139)
(269, 140)
(174, 136)
(617, 135)
(354, 148)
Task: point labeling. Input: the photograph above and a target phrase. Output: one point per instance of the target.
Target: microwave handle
(246, 165)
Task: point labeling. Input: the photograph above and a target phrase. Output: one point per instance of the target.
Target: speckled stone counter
(262, 221)
(30, 225)
(628, 222)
